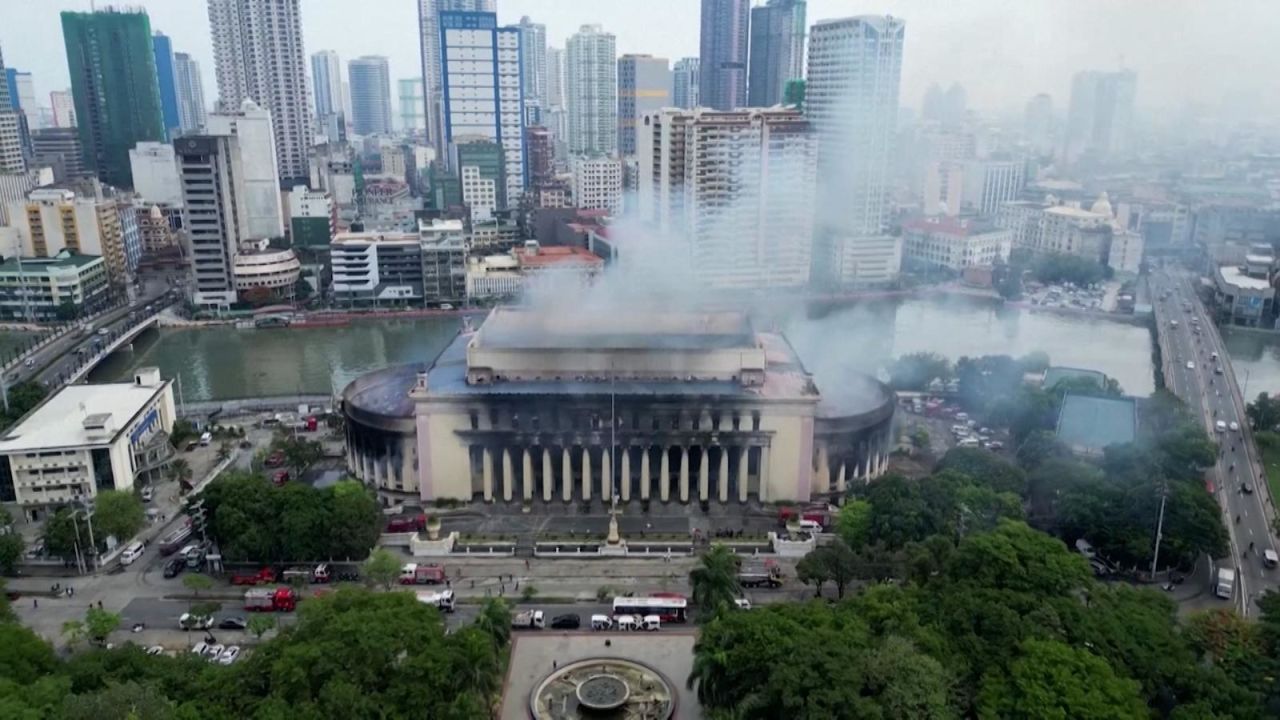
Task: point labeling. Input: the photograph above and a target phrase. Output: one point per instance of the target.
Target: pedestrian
(526, 564)
(71, 591)
(517, 587)
(99, 604)
(35, 603)
(448, 583)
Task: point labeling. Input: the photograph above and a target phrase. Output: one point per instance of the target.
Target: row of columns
(704, 476)
(870, 466)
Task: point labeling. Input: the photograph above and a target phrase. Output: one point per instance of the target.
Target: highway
(1198, 371)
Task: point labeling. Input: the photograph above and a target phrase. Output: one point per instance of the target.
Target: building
(1087, 424)
(443, 245)
(58, 148)
(113, 80)
(1245, 294)
(1054, 227)
(947, 108)
(258, 177)
(494, 236)
(541, 144)
(209, 168)
(684, 83)
(975, 187)
(263, 273)
(326, 81)
(597, 183)
(851, 97)
(1100, 116)
(413, 118)
(954, 243)
(12, 160)
(52, 220)
(85, 439)
(556, 81)
(481, 170)
(191, 110)
(493, 277)
(376, 268)
(1038, 124)
(644, 87)
(155, 173)
(369, 78)
(558, 268)
(549, 408)
(533, 60)
(777, 50)
(313, 218)
(63, 106)
(155, 227)
(591, 74)
(430, 47)
(737, 188)
(722, 52)
(258, 55)
(484, 99)
(47, 288)
(167, 77)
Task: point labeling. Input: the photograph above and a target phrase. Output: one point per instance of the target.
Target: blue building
(167, 78)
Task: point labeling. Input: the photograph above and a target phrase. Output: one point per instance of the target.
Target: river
(1255, 356)
(217, 363)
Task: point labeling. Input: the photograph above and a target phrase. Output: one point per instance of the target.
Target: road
(1197, 371)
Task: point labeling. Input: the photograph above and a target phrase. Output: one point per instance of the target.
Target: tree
(715, 581)
(835, 563)
(1264, 412)
(909, 683)
(99, 624)
(183, 430)
(1064, 268)
(1053, 680)
(24, 656)
(64, 531)
(494, 620)
(225, 448)
(300, 454)
(381, 569)
(853, 523)
(916, 370)
(261, 624)
(120, 701)
(66, 310)
(986, 468)
(11, 548)
(180, 471)
(75, 632)
(119, 514)
(814, 570)
(355, 522)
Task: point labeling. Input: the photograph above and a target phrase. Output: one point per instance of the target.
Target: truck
(311, 574)
(760, 574)
(1226, 583)
(412, 523)
(415, 574)
(263, 576)
(176, 539)
(820, 514)
(269, 600)
(275, 459)
(442, 600)
(528, 620)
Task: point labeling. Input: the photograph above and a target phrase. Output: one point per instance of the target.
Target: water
(1255, 357)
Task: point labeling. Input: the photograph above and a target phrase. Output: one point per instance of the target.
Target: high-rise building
(945, 107)
(737, 187)
(1100, 115)
(167, 77)
(64, 108)
(723, 54)
(191, 112)
(1038, 124)
(22, 94)
(644, 87)
(554, 96)
(429, 40)
(113, 80)
(326, 81)
(479, 162)
(155, 173)
(533, 60)
(12, 160)
(484, 100)
(370, 81)
(52, 220)
(413, 118)
(258, 55)
(313, 218)
(209, 168)
(851, 96)
(591, 74)
(597, 183)
(257, 177)
(541, 146)
(971, 187)
(777, 50)
(684, 83)
(58, 148)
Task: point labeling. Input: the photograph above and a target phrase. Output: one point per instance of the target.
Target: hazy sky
(1002, 51)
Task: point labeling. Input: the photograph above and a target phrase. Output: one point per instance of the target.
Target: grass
(1269, 446)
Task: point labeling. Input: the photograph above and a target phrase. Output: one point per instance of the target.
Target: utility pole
(1155, 555)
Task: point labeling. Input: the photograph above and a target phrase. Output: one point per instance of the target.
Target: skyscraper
(777, 50)
(64, 108)
(326, 81)
(209, 170)
(723, 53)
(166, 76)
(1038, 124)
(412, 107)
(644, 86)
(113, 80)
(258, 181)
(554, 95)
(258, 55)
(533, 60)
(191, 111)
(855, 69)
(370, 81)
(591, 87)
(483, 100)
(11, 156)
(1100, 114)
(429, 41)
(684, 91)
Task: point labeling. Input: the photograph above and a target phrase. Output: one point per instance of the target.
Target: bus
(672, 609)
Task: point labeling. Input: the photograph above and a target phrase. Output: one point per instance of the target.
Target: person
(1233, 466)
(1237, 519)
(1250, 545)
(35, 603)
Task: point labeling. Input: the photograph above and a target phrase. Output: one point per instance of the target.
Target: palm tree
(180, 470)
(715, 581)
(495, 621)
(709, 676)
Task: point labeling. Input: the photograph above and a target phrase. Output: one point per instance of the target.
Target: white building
(533, 59)
(413, 113)
(444, 260)
(369, 82)
(38, 288)
(978, 187)
(591, 90)
(429, 38)
(479, 194)
(953, 243)
(258, 177)
(191, 112)
(258, 55)
(312, 217)
(326, 81)
(1055, 227)
(738, 187)
(684, 83)
(52, 220)
(63, 106)
(376, 267)
(155, 173)
(212, 193)
(597, 183)
(264, 269)
(85, 439)
(494, 276)
(851, 96)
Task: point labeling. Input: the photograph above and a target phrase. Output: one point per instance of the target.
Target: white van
(626, 622)
(968, 442)
(601, 622)
(812, 526)
(206, 438)
(651, 623)
(131, 553)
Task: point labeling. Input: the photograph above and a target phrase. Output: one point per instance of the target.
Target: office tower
(12, 160)
(326, 82)
(258, 177)
(1100, 114)
(191, 112)
(58, 148)
(22, 93)
(723, 54)
(542, 154)
(413, 118)
(166, 77)
(737, 187)
(209, 168)
(554, 97)
(370, 81)
(946, 107)
(483, 100)
(64, 108)
(851, 96)
(533, 60)
(591, 87)
(684, 83)
(155, 173)
(1038, 124)
(6, 99)
(597, 183)
(479, 162)
(971, 187)
(113, 80)
(777, 50)
(644, 87)
(258, 55)
(429, 40)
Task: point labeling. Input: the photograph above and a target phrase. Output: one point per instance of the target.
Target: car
(147, 493)
(214, 651)
(1270, 558)
(1218, 370)
(174, 567)
(1246, 488)
(1220, 426)
(155, 650)
(1191, 365)
(742, 603)
(29, 362)
(229, 655)
(233, 623)
(191, 621)
(1235, 426)
(104, 332)
(200, 648)
(566, 622)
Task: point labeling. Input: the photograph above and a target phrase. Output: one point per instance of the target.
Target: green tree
(1264, 412)
(63, 531)
(853, 523)
(11, 548)
(75, 632)
(355, 522)
(1052, 680)
(834, 562)
(381, 569)
(120, 701)
(909, 683)
(814, 569)
(985, 468)
(494, 620)
(180, 471)
(99, 624)
(261, 624)
(119, 514)
(24, 656)
(715, 581)
(916, 370)
(300, 454)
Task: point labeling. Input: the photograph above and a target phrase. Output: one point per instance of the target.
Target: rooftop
(1233, 275)
(1089, 424)
(66, 419)
(1054, 375)
(948, 225)
(1075, 212)
(539, 258)
(40, 266)
(517, 328)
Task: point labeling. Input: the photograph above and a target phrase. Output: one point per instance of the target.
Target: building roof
(1054, 375)
(948, 225)
(543, 258)
(39, 266)
(1089, 424)
(514, 328)
(1075, 212)
(61, 420)
(1233, 275)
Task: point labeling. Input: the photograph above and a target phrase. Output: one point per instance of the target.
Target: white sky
(1002, 51)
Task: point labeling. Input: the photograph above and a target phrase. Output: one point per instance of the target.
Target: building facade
(313, 218)
(58, 148)
(777, 50)
(155, 173)
(51, 221)
(264, 273)
(430, 49)
(257, 176)
(597, 183)
(413, 119)
(953, 243)
(444, 261)
(190, 86)
(533, 60)
(369, 79)
(591, 77)
(644, 87)
(722, 51)
(684, 83)
(1100, 116)
(209, 169)
(167, 77)
(376, 268)
(42, 289)
(63, 106)
(326, 82)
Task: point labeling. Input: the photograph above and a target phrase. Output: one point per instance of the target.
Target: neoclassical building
(539, 408)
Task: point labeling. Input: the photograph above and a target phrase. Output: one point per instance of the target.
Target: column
(548, 474)
(586, 474)
(723, 494)
(824, 470)
(840, 481)
(566, 475)
(408, 477)
(486, 463)
(606, 475)
(664, 475)
(742, 473)
(704, 475)
(644, 472)
(507, 480)
(526, 475)
(764, 473)
(625, 478)
(684, 473)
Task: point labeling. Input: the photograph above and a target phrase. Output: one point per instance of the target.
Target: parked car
(174, 567)
(147, 493)
(566, 622)
(233, 623)
(200, 648)
(229, 655)
(189, 621)
(155, 650)
(213, 651)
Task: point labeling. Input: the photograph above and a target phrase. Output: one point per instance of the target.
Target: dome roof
(1102, 205)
